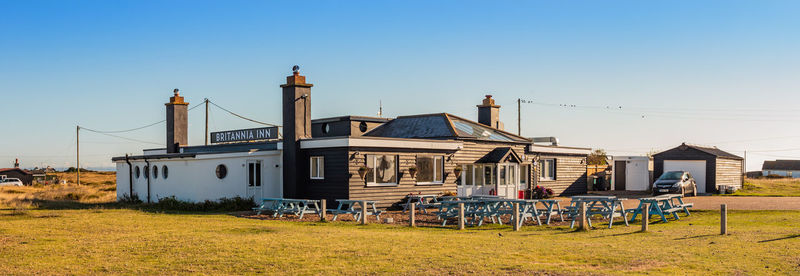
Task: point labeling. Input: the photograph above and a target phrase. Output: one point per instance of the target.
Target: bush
(222, 205)
(128, 199)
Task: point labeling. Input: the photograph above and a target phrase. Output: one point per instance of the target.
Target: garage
(697, 168)
(712, 168)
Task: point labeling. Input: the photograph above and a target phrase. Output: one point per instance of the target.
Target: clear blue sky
(721, 73)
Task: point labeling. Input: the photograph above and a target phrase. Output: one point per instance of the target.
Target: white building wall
(194, 179)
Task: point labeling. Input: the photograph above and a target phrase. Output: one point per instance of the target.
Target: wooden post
(723, 223)
(363, 212)
(323, 210)
(461, 216)
(412, 210)
(645, 217)
(78, 153)
(583, 222)
(516, 217)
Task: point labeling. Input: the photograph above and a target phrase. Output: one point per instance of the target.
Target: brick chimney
(296, 125)
(489, 113)
(16, 163)
(177, 123)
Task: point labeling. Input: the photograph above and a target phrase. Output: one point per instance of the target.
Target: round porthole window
(155, 172)
(146, 171)
(222, 171)
(164, 171)
(326, 128)
(362, 127)
(137, 171)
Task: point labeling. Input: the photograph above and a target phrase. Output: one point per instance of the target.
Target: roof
(709, 150)
(442, 126)
(500, 155)
(785, 165)
(351, 118)
(15, 169)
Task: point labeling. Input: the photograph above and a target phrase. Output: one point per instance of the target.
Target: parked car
(675, 182)
(11, 182)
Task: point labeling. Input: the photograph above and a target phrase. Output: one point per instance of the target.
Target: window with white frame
(547, 170)
(430, 169)
(381, 170)
(317, 167)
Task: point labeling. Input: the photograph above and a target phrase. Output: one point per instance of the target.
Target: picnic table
(663, 205)
(607, 206)
(281, 206)
(348, 206)
(422, 201)
(449, 209)
(478, 209)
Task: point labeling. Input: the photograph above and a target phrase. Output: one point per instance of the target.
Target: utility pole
(519, 116)
(78, 152)
(744, 168)
(206, 133)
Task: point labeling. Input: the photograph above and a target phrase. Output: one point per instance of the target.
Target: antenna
(380, 108)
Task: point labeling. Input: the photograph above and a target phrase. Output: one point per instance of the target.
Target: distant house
(711, 167)
(25, 176)
(788, 168)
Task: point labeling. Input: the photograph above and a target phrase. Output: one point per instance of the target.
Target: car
(11, 182)
(675, 182)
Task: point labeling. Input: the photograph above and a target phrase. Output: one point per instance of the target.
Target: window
(155, 172)
(468, 173)
(254, 174)
(326, 128)
(548, 169)
(138, 172)
(317, 167)
(164, 171)
(523, 175)
(430, 169)
(381, 170)
(221, 171)
(362, 127)
(146, 171)
(488, 175)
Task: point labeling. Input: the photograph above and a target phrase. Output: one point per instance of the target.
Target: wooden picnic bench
(608, 207)
(423, 202)
(354, 207)
(663, 206)
(281, 206)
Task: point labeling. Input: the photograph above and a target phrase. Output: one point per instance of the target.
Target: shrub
(223, 204)
(130, 199)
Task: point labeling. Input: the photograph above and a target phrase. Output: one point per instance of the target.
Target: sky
(630, 77)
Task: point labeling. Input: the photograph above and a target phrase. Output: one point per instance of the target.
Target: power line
(141, 127)
(120, 137)
(242, 117)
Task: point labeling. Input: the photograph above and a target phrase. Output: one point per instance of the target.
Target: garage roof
(709, 150)
(788, 165)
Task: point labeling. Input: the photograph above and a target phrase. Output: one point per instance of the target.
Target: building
(350, 157)
(24, 175)
(711, 167)
(786, 168)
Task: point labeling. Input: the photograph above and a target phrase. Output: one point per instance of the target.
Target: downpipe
(147, 175)
(130, 176)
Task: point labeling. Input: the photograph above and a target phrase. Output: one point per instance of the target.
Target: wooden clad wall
(570, 174)
(390, 195)
(334, 186)
(729, 172)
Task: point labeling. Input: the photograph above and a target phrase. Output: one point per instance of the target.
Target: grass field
(770, 187)
(88, 236)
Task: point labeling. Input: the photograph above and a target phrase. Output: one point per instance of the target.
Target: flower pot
(362, 172)
(412, 172)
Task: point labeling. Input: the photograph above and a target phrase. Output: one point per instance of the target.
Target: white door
(507, 180)
(254, 183)
(695, 167)
(467, 184)
(637, 175)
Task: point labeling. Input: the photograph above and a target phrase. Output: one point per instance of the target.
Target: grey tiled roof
(787, 165)
(441, 125)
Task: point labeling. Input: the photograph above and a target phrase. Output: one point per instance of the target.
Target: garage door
(695, 167)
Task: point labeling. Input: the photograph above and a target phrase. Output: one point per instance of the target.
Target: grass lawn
(769, 187)
(94, 240)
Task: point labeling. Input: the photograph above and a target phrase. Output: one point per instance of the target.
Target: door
(695, 167)
(507, 180)
(619, 175)
(254, 185)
